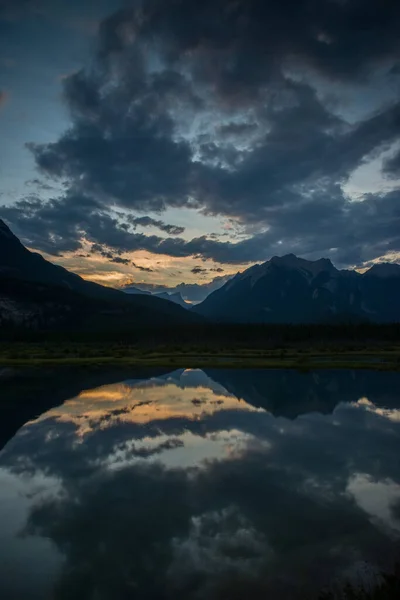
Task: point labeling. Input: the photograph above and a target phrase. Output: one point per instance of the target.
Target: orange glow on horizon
(163, 270)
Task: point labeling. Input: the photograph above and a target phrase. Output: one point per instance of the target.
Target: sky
(157, 142)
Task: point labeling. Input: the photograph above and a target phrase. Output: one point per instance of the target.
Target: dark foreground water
(200, 485)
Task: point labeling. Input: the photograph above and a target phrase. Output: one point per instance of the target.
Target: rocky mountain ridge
(294, 290)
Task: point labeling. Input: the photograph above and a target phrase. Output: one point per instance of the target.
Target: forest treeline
(216, 335)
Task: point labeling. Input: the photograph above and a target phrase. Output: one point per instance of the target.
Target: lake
(197, 484)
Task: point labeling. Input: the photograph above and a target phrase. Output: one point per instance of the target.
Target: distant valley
(175, 297)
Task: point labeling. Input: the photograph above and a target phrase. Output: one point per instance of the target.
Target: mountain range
(192, 293)
(175, 297)
(37, 294)
(289, 289)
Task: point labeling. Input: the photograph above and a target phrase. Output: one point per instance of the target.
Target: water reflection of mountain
(226, 500)
(25, 395)
(281, 392)
(291, 393)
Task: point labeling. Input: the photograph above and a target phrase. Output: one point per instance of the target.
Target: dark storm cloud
(305, 146)
(111, 256)
(121, 143)
(143, 269)
(149, 222)
(236, 129)
(96, 248)
(214, 105)
(199, 270)
(41, 185)
(391, 167)
(324, 223)
(120, 260)
(339, 38)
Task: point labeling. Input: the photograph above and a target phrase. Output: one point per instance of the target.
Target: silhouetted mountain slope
(18, 262)
(134, 290)
(36, 293)
(291, 289)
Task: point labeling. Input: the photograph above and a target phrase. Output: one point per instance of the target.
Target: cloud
(120, 260)
(99, 249)
(391, 166)
(324, 224)
(198, 270)
(149, 222)
(177, 110)
(41, 185)
(106, 253)
(216, 544)
(143, 269)
(237, 129)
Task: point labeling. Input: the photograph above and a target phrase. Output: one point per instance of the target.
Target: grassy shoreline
(385, 357)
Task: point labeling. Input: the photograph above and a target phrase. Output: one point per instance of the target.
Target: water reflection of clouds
(185, 451)
(376, 498)
(21, 554)
(143, 402)
(389, 413)
(218, 544)
(217, 494)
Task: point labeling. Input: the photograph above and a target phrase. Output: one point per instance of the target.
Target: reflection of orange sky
(142, 403)
(393, 414)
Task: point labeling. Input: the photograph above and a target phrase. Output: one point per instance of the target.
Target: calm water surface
(194, 484)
